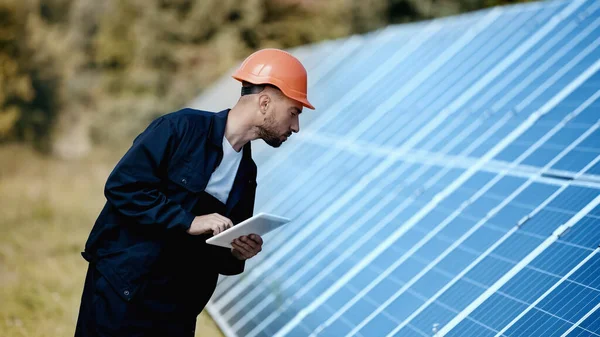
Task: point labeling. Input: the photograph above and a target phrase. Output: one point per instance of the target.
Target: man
(187, 176)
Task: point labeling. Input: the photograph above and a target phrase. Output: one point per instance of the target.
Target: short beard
(266, 133)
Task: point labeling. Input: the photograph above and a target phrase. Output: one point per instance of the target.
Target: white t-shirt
(221, 181)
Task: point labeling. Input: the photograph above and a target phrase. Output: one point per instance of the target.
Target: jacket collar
(216, 130)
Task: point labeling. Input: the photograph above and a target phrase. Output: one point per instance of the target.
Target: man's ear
(264, 100)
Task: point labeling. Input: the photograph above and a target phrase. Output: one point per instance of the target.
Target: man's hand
(246, 246)
(211, 223)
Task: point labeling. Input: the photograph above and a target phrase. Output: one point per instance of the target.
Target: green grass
(47, 208)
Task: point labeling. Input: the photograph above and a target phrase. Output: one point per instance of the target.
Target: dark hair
(250, 88)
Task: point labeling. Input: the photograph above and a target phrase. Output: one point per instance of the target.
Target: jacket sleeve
(133, 185)
(228, 264)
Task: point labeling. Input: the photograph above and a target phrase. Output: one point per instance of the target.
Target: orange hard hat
(278, 68)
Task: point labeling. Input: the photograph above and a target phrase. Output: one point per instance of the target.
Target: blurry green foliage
(75, 72)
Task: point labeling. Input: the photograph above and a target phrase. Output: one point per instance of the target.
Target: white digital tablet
(260, 224)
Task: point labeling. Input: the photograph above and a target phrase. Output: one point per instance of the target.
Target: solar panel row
(449, 185)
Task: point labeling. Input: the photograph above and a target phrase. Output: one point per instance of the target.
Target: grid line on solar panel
(426, 72)
(292, 278)
(440, 90)
(448, 327)
(518, 287)
(439, 159)
(465, 123)
(476, 252)
(474, 320)
(321, 183)
(588, 117)
(455, 311)
(377, 270)
(396, 281)
(433, 109)
(564, 68)
(504, 119)
(332, 174)
(405, 71)
(569, 88)
(398, 56)
(485, 99)
(350, 46)
(385, 150)
(557, 127)
(580, 321)
(590, 238)
(567, 300)
(570, 131)
(578, 159)
(551, 289)
(542, 156)
(530, 75)
(537, 236)
(390, 315)
(518, 53)
(455, 279)
(373, 301)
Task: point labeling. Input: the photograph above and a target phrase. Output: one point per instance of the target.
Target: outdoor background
(80, 79)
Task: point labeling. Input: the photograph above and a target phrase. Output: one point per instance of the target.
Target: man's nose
(296, 125)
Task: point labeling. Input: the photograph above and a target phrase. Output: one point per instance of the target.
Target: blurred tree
(16, 87)
(77, 72)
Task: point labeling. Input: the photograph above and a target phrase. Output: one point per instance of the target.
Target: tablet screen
(260, 224)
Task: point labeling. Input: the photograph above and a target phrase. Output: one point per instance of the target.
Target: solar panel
(448, 185)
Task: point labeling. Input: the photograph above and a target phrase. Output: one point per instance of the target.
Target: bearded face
(269, 133)
(279, 120)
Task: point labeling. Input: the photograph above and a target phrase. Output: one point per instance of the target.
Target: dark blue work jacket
(154, 193)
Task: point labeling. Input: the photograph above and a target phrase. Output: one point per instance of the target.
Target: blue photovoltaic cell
(584, 153)
(588, 234)
(449, 185)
